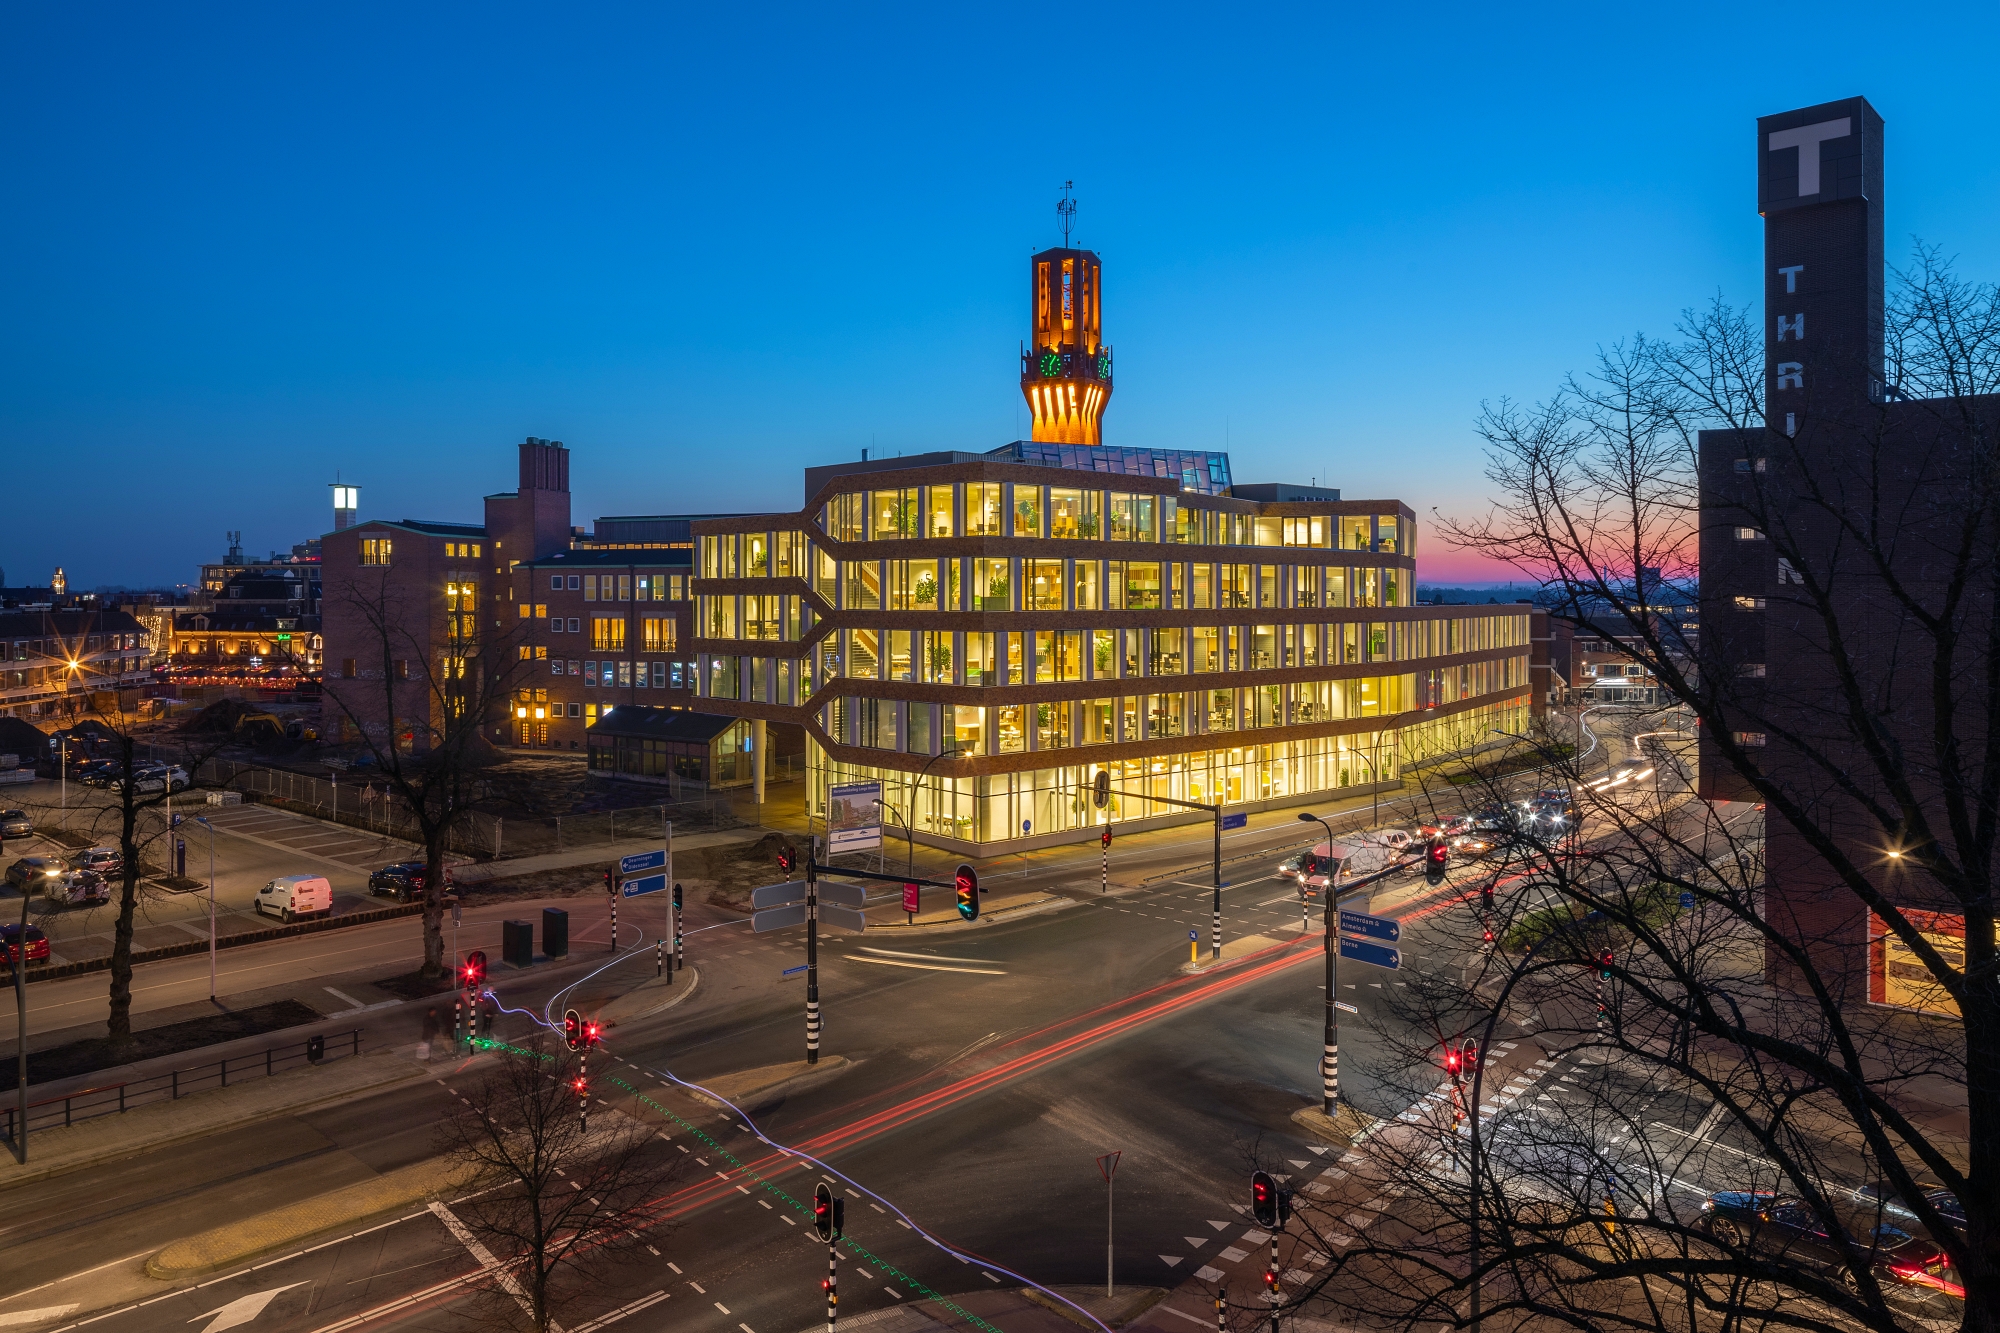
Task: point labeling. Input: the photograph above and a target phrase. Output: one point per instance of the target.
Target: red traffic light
(580, 1086)
(1453, 1062)
(573, 1029)
(788, 859)
(1486, 897)
(1264, 1199)
(593, 1032)
(1105, 837)
(1604, 966)
(1435, 857)
(610, 881)
(473, 973)
(967, 885)
(823, 1211)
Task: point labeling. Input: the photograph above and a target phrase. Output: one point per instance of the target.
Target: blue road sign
(1361, 951)
(1687, 899)
(1235, 821)
(793, 971)
(1374, 927)
(632, 888)
(632, 865)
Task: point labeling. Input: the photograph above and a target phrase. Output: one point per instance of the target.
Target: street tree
(558, 1201)
(1744, 1043)
(428, 681)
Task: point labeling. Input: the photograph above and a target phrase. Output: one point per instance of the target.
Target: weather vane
(1066, 210)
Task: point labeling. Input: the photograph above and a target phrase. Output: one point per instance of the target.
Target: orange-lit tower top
(1066, 366)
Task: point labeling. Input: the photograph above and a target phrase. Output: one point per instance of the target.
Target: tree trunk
(434, 840)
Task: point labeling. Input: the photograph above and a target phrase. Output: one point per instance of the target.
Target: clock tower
(1066, 365)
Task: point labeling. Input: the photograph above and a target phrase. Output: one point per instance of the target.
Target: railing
(116, 1098)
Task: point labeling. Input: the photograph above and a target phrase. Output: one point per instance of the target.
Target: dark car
(1910, 1270)
(405, 880)
(30, 872)
(38, 943)
(98, 772)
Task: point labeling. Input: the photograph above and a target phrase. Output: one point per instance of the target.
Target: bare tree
(420, 706)
(1740, 1053)
(565, 1199)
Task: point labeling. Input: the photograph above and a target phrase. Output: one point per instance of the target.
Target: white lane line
(618, 1314)
(922, 957)
(486, 1260)
(339, 995)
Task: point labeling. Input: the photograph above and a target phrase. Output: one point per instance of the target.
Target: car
(405, 880)
(152, 778)
(15, 824)
(77, 888)
(1909, 1269)
(99, 772)
(1548, 813)
(28, 873)
(38, 943)
(1623, 776)
(103, 860)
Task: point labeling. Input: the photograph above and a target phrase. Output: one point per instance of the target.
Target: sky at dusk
(250, 248)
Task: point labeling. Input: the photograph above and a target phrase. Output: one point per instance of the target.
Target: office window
(590, 587)
(1750, 670)
(1748, 603)
(555, 624)
(624, 587)
(575, 582)
(555, 582)
(575, 625)
(659, 675)
(1027, 511)
(347, 668)
(657, 634)
(527, 609)
(375, 550)
(1749, 535)
(555, 666)
(1750, 738)
(589, 675)
(982, 509)
(575, 668)
(1073, 513)
(606, 633)
(1750, 464)
(1041, 580)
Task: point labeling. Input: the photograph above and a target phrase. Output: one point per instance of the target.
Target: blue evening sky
(706, 246)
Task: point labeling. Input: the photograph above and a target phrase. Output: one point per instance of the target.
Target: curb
(234, 1242)
(681, 993)
(84, 966)
(133, 1148)
(1344, 1127)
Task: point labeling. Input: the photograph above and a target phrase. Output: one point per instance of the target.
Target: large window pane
(1041, 583)
(1027, 511)
(982, 509)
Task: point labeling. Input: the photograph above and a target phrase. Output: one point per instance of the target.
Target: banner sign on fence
(854, 818)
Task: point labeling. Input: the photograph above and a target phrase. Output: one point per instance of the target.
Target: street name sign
(653, 860)
(792, 971)
(844, 895)
(847, 918)
(1345, 1007)
(1374, 927)
(777, 918)
(777, 895)
(1235, 821)
(1361, 951)
(632, 888)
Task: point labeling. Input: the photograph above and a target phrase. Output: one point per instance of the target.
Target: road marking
(928, 967)
(1171, 1259)
(47, 1312)
(893, 1292)
(485, 1257)
(718, 1305)
(988, 1276)
(621, 1312)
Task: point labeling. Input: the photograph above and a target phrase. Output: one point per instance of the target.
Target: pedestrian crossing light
(610, 880)
(473, 974)
(967, 884)
(1604, 966)
(788, 859)
(1264, 1201)
(573, 1029)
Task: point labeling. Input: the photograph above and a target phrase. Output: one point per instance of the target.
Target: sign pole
(812, 956)
(680, 937)
(1107, 1166)
(1330, 1066)
(1215, 935)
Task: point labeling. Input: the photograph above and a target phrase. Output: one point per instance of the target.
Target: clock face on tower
(1052, 365)
(1104, 368)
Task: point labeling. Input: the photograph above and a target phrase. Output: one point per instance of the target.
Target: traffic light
(788, 859)
(967, 884)
(1454, 1062)
(580, 1086)
(1308, 865)
(573, 1029)
(1264, 1201)
(1271, 1280)
(593, 1032)
(1604, 966)
(1435, 857)
(473, 974)
(1470, 1057)
(1486, 897)
(827, 1212)
(610, 880)
(1104, 838)
(1101, 794)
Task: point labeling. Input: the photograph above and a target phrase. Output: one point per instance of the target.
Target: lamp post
(1329, 1065)
(949, 750)
(203, 821)
(910, 867)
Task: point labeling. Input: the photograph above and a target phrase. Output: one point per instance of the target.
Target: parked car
(405, 880)
(152, 778)
(38, 943)
(28, 873)
(96, 772)
(1909, 1269)
(290, 897)
(105, 861)
(77, 888)
(15, 824)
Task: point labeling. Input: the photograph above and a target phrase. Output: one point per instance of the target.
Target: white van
(290, 897)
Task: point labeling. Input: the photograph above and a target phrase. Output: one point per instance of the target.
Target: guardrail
(116, 1098)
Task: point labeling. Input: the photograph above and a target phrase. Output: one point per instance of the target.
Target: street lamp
(1329, 1065)
(910, 870)
(203, 821)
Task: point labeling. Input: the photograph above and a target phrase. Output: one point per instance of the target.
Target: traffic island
(235, 1242)
(1233, 950)
(1124, 1305)
(649, 997)
(792, 1076)
(1344, 1126)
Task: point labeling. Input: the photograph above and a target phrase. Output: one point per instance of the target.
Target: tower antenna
(1066, 212)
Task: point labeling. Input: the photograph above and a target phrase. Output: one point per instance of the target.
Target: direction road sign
(1687, 899)
(1235, 821)
(1361, 951)
(847, 918)
(1345, 1007)
(777, 918)
(845, 895)
(632, 888)
(792, 971)
(632, 865)
(1374, 927)
(777, 895)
